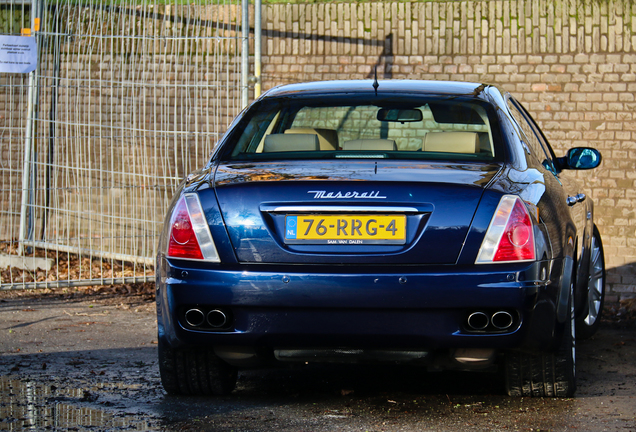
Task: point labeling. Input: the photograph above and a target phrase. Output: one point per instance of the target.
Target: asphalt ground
(86, 360)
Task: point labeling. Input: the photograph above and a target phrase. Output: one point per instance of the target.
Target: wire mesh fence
(128, 97)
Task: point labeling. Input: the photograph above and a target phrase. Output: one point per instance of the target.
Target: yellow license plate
(345, 229)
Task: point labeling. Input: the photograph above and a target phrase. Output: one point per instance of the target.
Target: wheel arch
(583, 261)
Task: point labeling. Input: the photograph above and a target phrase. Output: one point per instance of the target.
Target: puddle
(26, 405)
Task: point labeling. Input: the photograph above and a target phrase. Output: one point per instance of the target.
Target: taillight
(510, 236)
(190, 236)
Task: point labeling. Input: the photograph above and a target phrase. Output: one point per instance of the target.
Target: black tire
(545, 374)
(194, 371)
(588, 322)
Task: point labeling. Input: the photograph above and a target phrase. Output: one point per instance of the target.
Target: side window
(531, 135)
(537, 131)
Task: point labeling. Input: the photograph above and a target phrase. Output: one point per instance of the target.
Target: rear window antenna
(375, 80)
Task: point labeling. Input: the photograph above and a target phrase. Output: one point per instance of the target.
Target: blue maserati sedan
(409, 222)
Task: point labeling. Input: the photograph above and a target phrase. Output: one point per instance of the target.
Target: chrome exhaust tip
(217, 318)
(194, 317)
(502, 320)
(478, 321)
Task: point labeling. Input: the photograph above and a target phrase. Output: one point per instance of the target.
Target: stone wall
(571, 62)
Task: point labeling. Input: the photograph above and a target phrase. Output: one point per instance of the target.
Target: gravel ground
(85, 359)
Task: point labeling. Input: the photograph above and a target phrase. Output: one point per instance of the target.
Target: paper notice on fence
(18, 54)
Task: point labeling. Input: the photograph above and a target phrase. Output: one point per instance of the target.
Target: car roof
(413, 87)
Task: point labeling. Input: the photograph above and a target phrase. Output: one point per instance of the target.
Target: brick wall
(572, 63)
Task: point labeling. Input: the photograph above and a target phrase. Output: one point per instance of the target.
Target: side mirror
(581, 158)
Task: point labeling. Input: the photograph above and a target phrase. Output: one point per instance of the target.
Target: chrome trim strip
(360, 156)
(342, 209)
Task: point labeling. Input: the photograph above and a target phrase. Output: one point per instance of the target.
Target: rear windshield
(372, 127)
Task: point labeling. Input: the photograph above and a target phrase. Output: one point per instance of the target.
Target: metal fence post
(245, 53)
(26, 224)
(257, 48)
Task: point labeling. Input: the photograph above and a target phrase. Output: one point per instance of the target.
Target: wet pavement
(90, 365)
(28, 405)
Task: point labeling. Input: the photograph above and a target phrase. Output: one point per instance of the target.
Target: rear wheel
(587, 324)
(545, 374)
(194, 371)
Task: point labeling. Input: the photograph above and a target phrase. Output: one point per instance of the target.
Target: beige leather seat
(451, 142)
(370, 144)
(290, 143)
(328, 138)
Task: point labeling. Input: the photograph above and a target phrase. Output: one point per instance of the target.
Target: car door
(580, 209)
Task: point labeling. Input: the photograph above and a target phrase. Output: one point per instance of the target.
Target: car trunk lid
(350, 212)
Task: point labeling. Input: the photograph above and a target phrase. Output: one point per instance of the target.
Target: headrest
(328, 138)
(290, 143)
(451, 142)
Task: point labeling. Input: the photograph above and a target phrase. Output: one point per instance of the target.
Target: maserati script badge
(346, 195)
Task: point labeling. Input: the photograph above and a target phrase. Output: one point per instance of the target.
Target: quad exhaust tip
(194, 317)
(500, 320)
(217, 318)
(478, 321)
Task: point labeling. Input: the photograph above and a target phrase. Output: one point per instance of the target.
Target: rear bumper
(271, 308)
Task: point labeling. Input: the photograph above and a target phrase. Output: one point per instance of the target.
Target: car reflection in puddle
(26, 405)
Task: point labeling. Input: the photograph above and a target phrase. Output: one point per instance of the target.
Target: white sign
(18, 54)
